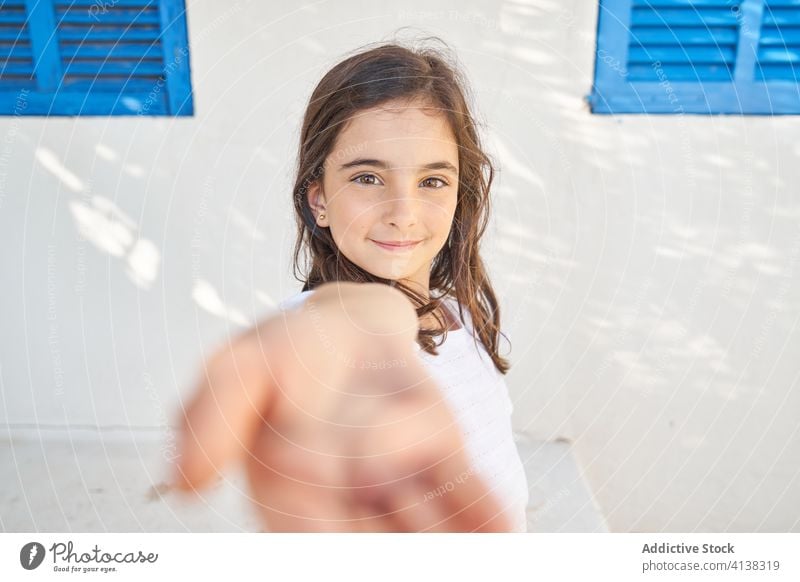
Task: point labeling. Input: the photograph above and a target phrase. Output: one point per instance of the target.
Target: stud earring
(321, 216)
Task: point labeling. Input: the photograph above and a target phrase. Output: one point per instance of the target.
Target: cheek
(351, 221)
(447, 203)
(444, 217)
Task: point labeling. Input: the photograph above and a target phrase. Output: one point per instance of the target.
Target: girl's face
(390, 189)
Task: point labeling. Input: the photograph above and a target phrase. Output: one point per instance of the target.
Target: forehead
(402, 133)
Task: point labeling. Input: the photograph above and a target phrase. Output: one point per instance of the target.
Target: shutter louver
(692, 41)
(16, 55)
(113, 50)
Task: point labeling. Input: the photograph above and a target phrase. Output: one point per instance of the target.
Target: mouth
(397, 246)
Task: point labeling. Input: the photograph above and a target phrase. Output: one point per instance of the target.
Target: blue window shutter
(701, 56)
(127, 57)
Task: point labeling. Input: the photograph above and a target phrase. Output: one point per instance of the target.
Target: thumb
(226, 410)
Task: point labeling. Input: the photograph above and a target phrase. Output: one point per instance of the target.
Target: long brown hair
(372, 76)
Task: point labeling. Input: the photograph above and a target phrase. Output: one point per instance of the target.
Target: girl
(391, 200)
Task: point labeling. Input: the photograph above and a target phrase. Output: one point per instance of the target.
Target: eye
(372, 180)
(439, 180)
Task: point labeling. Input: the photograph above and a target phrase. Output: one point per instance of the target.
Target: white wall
(647, 265)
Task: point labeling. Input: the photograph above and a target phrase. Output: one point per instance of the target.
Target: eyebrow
(443, 165)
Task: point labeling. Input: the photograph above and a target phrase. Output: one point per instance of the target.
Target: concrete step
(104, 482)
(560, 499)
(85, 481)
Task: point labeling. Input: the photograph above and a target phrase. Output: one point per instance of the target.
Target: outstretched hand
(350, 435)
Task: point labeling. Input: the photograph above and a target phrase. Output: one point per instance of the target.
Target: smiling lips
(397, 245)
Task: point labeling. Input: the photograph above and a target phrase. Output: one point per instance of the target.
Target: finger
(225, 413)
(405, 490)
(373, 517)
(295, 490)
(470, 505)
(417, 509)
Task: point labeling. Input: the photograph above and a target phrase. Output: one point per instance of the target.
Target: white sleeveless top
(478, 397)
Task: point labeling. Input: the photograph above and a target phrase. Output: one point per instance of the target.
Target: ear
(316, 201)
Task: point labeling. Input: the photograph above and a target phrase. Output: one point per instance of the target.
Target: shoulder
(460, 313)
(465, 317)
(295, 300)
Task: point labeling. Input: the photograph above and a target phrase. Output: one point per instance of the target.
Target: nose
(402, 207)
